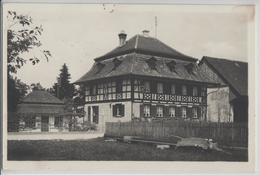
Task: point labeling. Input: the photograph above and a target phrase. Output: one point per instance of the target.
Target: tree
(23, 37)
(17, 89)
(36, 86)
(63, 88)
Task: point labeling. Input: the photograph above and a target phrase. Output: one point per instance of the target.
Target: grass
(98, 149)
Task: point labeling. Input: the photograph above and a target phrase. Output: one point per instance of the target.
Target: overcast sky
(76, 34)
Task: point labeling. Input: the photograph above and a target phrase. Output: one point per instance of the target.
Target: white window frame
(184, 112)
(147, 111)
(184, 90)
(172, 111)
(195, 91)
(159, 111)
(159, 88)
(173, 89)
(195, 112)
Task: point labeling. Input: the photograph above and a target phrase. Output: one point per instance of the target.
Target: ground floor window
(29, 121)
(58, 121)
(172, 111)
(183, 112)
(118, 110)
(95, 114)
(147, 111)
(195, 112)
(159, 111)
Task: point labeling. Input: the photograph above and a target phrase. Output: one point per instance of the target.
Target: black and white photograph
(138, 83)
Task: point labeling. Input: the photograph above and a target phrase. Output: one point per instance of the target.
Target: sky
(76, 34)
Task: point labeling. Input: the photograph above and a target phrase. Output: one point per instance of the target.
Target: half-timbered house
(144, 78)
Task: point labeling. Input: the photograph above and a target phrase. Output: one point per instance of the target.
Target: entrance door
(95, 114)
(45, 124)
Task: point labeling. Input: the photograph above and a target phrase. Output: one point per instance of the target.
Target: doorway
(45, 124)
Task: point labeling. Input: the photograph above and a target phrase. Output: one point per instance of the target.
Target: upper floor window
(172, 111)
(184, 90)
(159, 111)
(159, 88)
(183, 112)
(173, 89)
(87, 92)
(195, 91)
(147, 111)
(147, 87)
(93, 90)
(119, 86)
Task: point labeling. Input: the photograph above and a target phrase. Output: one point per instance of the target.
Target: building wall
(106, 113)
(219, 108)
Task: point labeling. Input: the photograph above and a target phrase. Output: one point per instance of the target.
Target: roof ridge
(224, 59)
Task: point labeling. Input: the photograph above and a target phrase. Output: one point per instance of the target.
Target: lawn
(98, 149)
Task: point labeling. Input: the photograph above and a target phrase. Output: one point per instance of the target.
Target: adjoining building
(41, 111)
(144, 78)
(229, 101)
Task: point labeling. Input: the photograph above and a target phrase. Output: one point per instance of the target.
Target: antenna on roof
(155, 23)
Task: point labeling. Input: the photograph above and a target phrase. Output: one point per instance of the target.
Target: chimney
(122, 38)
(146, 33)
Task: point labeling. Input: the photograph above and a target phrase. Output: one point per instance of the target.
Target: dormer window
(116, 62)
(99, 67)
(171, 65)
(190, 68)
(152, 63)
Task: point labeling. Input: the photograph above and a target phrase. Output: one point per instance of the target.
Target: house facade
(227, 102)
(144, 78)
(39, 111)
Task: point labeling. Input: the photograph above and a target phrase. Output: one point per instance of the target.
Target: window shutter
(114, 110)
(199, 112)
(189, 113)
(122, 110)
(141, 110)
(178, 112)
(166, 111)
(153, 111)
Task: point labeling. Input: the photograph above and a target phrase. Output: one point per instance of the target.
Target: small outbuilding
(40, 111)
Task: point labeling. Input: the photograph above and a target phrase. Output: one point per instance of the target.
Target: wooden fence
(228, 134)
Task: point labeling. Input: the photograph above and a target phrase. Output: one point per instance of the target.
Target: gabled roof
(41, 97)
(146, 45)
(136, 64)
(234, 73)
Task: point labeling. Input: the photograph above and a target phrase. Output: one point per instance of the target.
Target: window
(172, 111)
(119, 86)
(152, 63)
(147, 111)
(146, 87)
(195, 112)
(87, 90)
(93, 90)
(195, 91)
(173, 89)
(159, 111)
(159, 88)
(184, 90)
(183, 112)
(58, 122)
(118, 110)
(30, 121)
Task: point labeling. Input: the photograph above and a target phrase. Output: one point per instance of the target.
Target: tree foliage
(22, 37)
(17, 89)
(63, 88)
